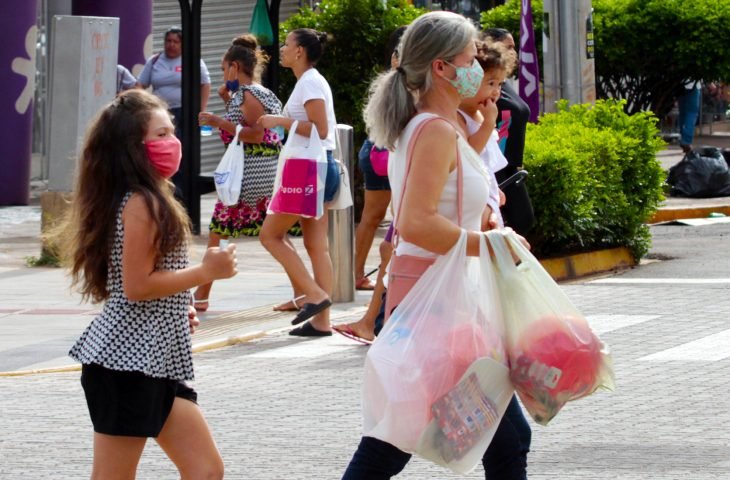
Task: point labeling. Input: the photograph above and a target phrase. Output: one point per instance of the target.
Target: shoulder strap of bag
(409, 155)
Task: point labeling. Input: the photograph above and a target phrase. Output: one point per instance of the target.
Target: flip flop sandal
(347, 331)
(307, 330)
(364, 283)
(293, 301)
(309, 310)
(200, 309)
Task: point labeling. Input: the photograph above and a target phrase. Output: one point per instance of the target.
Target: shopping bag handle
(484, 253)
(239, 127)
(506, 247)
(518, 248)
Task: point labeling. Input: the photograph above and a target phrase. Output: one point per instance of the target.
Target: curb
(572, 267)
(198, 348)
(669, 214)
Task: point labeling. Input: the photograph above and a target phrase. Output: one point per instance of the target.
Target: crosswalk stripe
(678, 281)
(708, 349)
(608, 323)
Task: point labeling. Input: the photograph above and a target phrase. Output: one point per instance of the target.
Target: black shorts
(130, 403)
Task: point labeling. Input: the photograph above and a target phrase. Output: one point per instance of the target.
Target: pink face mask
(165, 155)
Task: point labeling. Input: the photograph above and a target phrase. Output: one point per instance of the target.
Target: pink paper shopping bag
(301, 175)
(299, 193)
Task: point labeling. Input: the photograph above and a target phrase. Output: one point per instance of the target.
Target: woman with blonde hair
(439, 185)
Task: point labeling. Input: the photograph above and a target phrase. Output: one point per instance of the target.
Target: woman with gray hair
(439, 184)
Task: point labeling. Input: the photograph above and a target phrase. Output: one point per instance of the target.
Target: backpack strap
(409, 155)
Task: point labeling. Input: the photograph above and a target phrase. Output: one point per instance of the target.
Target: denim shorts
(373, 181)
(332, 181)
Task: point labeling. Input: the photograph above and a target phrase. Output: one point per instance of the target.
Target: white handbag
(228, 175)
(343, 197)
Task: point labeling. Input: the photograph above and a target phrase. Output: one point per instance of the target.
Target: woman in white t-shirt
(311, 105)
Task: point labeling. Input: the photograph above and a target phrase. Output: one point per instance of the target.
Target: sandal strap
(294, 301)
(201, 300)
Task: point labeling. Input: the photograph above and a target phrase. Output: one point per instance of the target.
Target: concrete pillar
(135, 27)
(18, 36)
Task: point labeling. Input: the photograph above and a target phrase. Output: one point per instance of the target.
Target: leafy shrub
(594, 178)
(645, 49)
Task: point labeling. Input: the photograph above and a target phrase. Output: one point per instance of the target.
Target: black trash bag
(702, 173)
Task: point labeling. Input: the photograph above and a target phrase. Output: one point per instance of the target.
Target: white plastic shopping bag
(555, 356)
(436, 380)
(228, 175)
(300, 176)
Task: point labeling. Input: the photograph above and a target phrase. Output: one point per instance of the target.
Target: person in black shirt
(512, 120)
(506, 457)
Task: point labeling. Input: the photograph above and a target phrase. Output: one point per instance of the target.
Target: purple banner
(18, 36)
(529, 69)
(135, 26)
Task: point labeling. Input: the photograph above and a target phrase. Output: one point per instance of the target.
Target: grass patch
(45, 260)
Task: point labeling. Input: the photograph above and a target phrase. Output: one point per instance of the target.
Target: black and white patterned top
(270, 102)
(150, 336)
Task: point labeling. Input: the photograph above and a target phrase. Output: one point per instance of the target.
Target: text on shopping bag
(301, 187)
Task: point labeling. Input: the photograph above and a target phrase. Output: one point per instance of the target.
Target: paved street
(285, 408)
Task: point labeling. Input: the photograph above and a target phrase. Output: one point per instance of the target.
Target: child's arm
(139, 278)
(478, 140)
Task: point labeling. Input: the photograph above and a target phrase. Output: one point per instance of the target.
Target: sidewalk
(42, 317)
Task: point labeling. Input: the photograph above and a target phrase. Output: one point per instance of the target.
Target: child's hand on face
(488, 109)
(220, 262)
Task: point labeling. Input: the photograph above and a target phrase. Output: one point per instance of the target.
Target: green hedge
(645, 49)
(594, 178)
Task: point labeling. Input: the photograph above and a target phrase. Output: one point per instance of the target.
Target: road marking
(678, 281)
(309, 349)
(708, 349)
(608, 323)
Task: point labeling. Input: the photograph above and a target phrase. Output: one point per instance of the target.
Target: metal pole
(569, 61)
(586, 52)
(568, 51)
(341, 233)
(550, 56)
(190, 19)
(273, 67)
